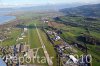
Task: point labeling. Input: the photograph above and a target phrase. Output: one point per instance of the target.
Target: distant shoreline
(6, 19)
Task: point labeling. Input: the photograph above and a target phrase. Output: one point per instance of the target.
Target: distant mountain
(49, 7)
(46, 7)
(85, 10)
(41, 7)
(4, 11)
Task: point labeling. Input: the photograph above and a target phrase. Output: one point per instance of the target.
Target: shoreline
(8, 20)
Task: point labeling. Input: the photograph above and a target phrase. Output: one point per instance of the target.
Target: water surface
(4, 19)
(2, 63)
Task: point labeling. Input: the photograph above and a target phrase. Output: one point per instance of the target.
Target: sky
(10, 3)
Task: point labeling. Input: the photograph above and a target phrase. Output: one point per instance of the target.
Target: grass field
(70, 33)
(34, 41)
(49, 47)
(15, 33)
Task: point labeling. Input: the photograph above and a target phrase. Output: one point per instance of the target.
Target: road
(49, 61)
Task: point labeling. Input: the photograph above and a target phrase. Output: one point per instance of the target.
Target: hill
(85, 10)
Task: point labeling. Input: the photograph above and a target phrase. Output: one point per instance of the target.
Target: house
(46, 21)
(57, 38)
(20, 38)
(25, 29)
(50, 32)
(61, 46)
(55, 33)
(26, 48)
(18, 47)
(23, 36)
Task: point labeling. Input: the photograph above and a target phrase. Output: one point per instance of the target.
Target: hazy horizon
(21, 3)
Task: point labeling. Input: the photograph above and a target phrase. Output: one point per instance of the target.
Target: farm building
(25, 29)
(18, 47)
(57, 38)
(50, 32)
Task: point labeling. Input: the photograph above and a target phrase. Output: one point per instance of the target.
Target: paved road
(49, 61)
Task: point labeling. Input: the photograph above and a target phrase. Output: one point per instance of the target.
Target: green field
(31, 38)
(71, 32)
(15, 33)
(34, 41)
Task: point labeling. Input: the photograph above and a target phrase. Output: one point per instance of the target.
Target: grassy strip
(49, 47)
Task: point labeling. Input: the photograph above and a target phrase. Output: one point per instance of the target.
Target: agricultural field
(73, 27)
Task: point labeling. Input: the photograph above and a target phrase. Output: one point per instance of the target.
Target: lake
(4, 19)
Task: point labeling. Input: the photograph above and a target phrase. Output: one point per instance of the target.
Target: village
(67, 53)
(64, 50)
